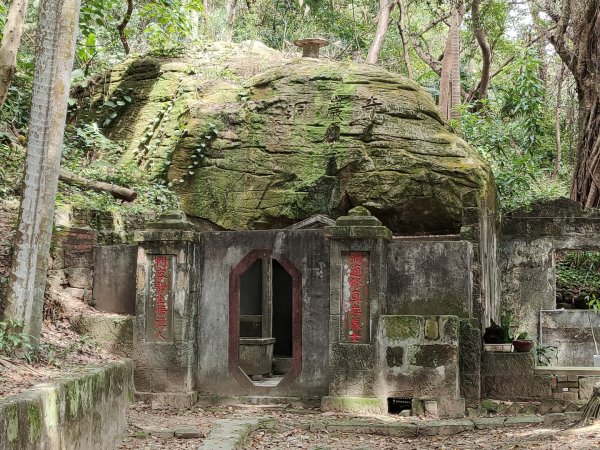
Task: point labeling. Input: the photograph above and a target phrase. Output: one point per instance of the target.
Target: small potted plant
(521, 344)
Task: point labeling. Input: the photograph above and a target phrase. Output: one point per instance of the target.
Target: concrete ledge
(566, 371)
(169, 399)
(80, 411)
(360, 405)
(215, 400)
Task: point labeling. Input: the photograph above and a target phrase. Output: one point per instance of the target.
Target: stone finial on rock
(311, 46)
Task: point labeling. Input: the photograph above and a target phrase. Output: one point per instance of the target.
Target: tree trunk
(450, 89)
(401, 28)
(55, 49)
(11, 39)
(121, 27)
(231, 4)
(383, 19)
(116, 191)
(557, 132)
(586, 179)
(486, 53)
(576, 39)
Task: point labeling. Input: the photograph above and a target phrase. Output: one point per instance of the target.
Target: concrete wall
(86, 411)
(114, 278)
(429, 278)
(308, 251)
(526, 260)
(569, 331)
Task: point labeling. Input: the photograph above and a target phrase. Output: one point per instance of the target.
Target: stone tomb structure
(326, 310)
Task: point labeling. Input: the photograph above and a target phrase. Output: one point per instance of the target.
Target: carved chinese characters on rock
(355, 298)
(159, 308)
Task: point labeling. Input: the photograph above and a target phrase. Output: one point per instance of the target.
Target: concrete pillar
(165, 326)
(357, 298)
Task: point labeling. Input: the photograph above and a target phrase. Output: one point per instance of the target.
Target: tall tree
(55, 49)
(383, 20)
(450, 91)
(11, 39)
(576, 38)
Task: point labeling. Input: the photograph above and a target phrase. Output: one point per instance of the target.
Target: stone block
(188, 433)
(431, 408)
(586, 387)
(256, 355)
(79, 277)
(486, 423)
(515, 365)
(394, 356)
(435, 355)
(450, 407)
(444, 427)
(352, 383)
(360, 405)
(351, 356)
(401, 328)
(554, 419)
(522, 420)
(432, 330)
(450, 329)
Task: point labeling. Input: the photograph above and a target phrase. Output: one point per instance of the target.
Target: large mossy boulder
(252, 140)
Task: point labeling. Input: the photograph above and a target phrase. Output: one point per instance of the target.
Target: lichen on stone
(296, 138)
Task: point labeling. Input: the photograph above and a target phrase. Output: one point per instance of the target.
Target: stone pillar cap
(171, 221)
(310, 46)
(359, 223)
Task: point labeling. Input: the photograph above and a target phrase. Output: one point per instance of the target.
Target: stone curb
(433, 427)
(229, 434)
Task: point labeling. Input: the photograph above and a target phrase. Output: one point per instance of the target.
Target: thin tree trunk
(231, 5)
(559, 83)
(405, 55)
(11, 39)
(121, 27)
(383, 19)
(486, 53)
(450, 89)
(55, 49)
(116, 191)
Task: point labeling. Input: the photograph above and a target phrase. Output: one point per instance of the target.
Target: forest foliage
(530, 103)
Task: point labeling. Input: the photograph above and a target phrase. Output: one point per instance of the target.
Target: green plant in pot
(521, 344)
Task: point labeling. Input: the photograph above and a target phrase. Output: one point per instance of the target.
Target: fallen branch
(119, 192)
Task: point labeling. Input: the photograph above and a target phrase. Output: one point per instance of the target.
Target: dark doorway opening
(251, 301)
(282, 311)
(398, 404)
(269, 318)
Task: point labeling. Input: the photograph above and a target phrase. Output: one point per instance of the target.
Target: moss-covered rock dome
(252, 140)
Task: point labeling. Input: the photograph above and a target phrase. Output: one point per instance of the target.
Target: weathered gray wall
(512, 376)
(114, 278)
(221, 252)
(429, 278)
(86, 411)
(170, 365)
(569, 331)
(526, 261)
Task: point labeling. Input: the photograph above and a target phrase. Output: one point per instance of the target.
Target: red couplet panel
(159, 306)
(355, 298)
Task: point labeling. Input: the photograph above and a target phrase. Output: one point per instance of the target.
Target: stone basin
(256, 355)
